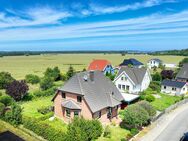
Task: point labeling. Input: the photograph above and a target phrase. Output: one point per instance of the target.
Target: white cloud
(174, 23)
(33, 17)
(97, 9)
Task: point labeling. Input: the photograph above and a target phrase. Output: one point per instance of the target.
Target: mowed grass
(30, 107)
(164, 102)
(117, 133)
(19, 66)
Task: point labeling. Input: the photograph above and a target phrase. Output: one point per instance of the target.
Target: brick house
(89, 94)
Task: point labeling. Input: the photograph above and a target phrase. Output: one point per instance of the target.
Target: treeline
(183, 52)
(27, 53)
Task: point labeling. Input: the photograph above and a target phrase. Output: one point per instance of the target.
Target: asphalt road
(176, 128)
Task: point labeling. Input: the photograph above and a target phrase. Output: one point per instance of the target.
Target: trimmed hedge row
(42, 129)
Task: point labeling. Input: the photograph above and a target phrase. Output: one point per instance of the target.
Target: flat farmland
(19, 66)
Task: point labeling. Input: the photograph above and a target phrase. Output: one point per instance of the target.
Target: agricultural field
(19, 66)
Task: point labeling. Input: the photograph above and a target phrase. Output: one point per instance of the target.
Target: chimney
(91, 75)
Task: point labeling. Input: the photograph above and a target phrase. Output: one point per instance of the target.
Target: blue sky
(145, 25)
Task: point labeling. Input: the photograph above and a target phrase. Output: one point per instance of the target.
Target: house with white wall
(154, 63)
(132, 80)
(174, 87)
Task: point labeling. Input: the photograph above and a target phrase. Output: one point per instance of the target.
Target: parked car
(185, 137)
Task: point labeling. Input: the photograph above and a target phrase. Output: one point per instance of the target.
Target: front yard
(165, 101)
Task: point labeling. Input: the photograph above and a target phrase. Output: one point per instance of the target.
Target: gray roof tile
(135, 74)
(99, 94)
(183, 73)
(173, 83)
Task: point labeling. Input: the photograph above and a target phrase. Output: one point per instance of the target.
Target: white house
(173, 87)
(154, 63)
(132, 80)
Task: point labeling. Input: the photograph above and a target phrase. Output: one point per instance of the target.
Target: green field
(19, 66)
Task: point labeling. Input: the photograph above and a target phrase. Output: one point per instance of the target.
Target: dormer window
(63, 95)
(79, 99)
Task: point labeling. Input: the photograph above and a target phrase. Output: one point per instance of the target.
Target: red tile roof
(98, 65)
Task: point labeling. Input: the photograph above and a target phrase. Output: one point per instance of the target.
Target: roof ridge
(81, 89)
(135, 75)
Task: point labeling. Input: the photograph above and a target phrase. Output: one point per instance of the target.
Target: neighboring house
(89, 94)
(154, 63)
(133, 62)
(183, 74)
(101, 65)
(168, 65)
(132, 80)
(173, 87)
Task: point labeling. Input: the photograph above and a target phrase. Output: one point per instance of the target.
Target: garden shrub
(107, 132)
(53, 73)
(148, 107)
(31, 78)
(5, 79)
(6, 100)
(44, 110)
(43, 129)
(47, 92)
(134, 131)
(135, 116)
(17, 89)
(46, 83)
(156, 77)
(150, 98)
(14, 116)
(84, 130)
(46, 116)
(70, 72)
(2, 108)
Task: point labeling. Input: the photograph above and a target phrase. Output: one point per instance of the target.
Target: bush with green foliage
(148, 107)
(156, 77)
(135, 116)
(44, 130)
(107, 132)
(17, 89)
(2, 109)
(14, 116)
(46, 83)
(134, 131)
(185, 60)
(47, 92)
(110, 76)
(53, 73)
(155, 86)
(44, 110)
(84, 130)
(5, 79)
(31, 78)
(6, 100)
(70, 72)
(149, 98)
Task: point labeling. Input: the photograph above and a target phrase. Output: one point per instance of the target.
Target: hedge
(44, 130)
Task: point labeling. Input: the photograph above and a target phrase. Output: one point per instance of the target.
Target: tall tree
(5, 79)
(70, 72)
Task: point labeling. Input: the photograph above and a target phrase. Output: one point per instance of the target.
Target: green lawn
(19, 66)
(117, 133)
(30, 107)
(164, 102)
